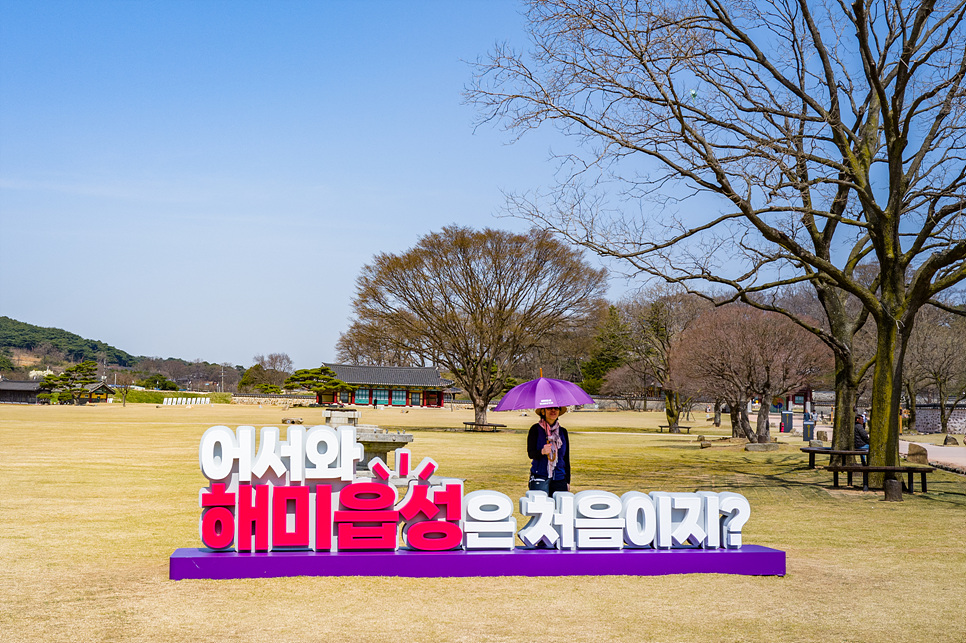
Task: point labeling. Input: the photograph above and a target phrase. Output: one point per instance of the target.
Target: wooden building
(17, 392)
(390, 385)
(98, 392)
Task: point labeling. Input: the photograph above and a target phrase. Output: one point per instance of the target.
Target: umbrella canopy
(541, 393)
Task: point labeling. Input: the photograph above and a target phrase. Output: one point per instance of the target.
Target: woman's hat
(563, 409)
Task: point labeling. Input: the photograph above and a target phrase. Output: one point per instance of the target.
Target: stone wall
(927, 420)
(273, 400)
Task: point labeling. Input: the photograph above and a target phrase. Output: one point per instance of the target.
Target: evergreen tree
(318, 380)
(73, 381)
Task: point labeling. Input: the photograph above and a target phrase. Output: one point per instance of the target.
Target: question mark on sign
(737, 511)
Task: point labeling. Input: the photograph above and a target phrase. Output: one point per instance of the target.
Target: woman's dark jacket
(536, 439)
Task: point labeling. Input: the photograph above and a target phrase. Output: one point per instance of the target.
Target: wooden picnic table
(866, 470)
(661, 427)
(485, 426)
(811, 451)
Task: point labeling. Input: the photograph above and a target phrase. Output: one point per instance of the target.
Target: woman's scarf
(555, 442)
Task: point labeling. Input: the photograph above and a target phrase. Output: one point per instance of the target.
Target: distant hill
(15, 334)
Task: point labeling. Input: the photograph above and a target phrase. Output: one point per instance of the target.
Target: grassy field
(94, 499)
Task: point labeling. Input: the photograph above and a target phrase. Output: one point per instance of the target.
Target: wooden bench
(866, 470)
(661, 427)
(811, 451)
(486, 426)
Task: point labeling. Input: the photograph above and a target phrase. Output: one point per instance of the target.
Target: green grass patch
(157, 397)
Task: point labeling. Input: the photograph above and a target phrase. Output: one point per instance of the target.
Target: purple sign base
(749, 560)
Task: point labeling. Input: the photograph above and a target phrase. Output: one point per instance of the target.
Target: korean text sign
(302, 493)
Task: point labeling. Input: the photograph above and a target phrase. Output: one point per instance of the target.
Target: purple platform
(750, 560)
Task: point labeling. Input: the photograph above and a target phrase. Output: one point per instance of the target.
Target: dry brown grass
(95, 499)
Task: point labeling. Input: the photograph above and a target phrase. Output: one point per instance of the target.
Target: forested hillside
(19, 335)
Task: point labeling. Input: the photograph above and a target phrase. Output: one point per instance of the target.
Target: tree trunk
(672, 410)
(749, 433)
(944, 410)
(736, 431)
(717, 414)
(886, 392)
(763, 432)
(479, 411)
(740, 426)
(911, 397)
(843, 420)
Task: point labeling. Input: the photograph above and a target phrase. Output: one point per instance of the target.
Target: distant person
(861, 435)
(548, 446)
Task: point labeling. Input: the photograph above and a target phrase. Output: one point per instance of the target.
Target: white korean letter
(322, 463)
(268, 457)
(488, 521)
(599, 524)
(640, 520)
(539, 506)
(293, 449)
(218, 452)
(711, 519)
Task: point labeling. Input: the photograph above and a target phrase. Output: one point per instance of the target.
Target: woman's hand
(546, 449)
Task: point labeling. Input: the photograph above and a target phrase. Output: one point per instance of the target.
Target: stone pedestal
(341, 417)
(378, 443)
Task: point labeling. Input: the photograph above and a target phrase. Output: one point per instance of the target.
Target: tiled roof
(97, 385)
(13, 385)
(389, 375)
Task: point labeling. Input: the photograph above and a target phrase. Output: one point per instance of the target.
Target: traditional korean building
(25, 392)
(99, 392)
(391, 385)
(17, 392)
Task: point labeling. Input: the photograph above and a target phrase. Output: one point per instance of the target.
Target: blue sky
(205, 179)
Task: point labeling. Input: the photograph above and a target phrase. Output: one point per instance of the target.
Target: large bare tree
(814, 137)
(656, 318)
(744, 352)
(366, 344)
(476, 300)
(938, 361)
(562, 352)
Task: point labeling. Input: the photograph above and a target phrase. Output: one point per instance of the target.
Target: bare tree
(478, 300)
(629, 385)
(275, 368)
(938, 360)
(562, 352)
(744, 352)
(123, 379)
(840, 320)
(366, 344)
(831, 134)
(656, 318)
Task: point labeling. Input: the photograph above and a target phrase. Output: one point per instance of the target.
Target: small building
(18, 392)
(98, 392)
(390, 385)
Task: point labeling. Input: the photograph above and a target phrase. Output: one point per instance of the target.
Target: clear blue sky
(205, 179)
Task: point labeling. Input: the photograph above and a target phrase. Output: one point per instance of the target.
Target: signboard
(297, 507)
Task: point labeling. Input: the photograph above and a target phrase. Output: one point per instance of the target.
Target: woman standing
(548, 446)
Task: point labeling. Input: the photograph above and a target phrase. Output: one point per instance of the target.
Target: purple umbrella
(541, 393)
